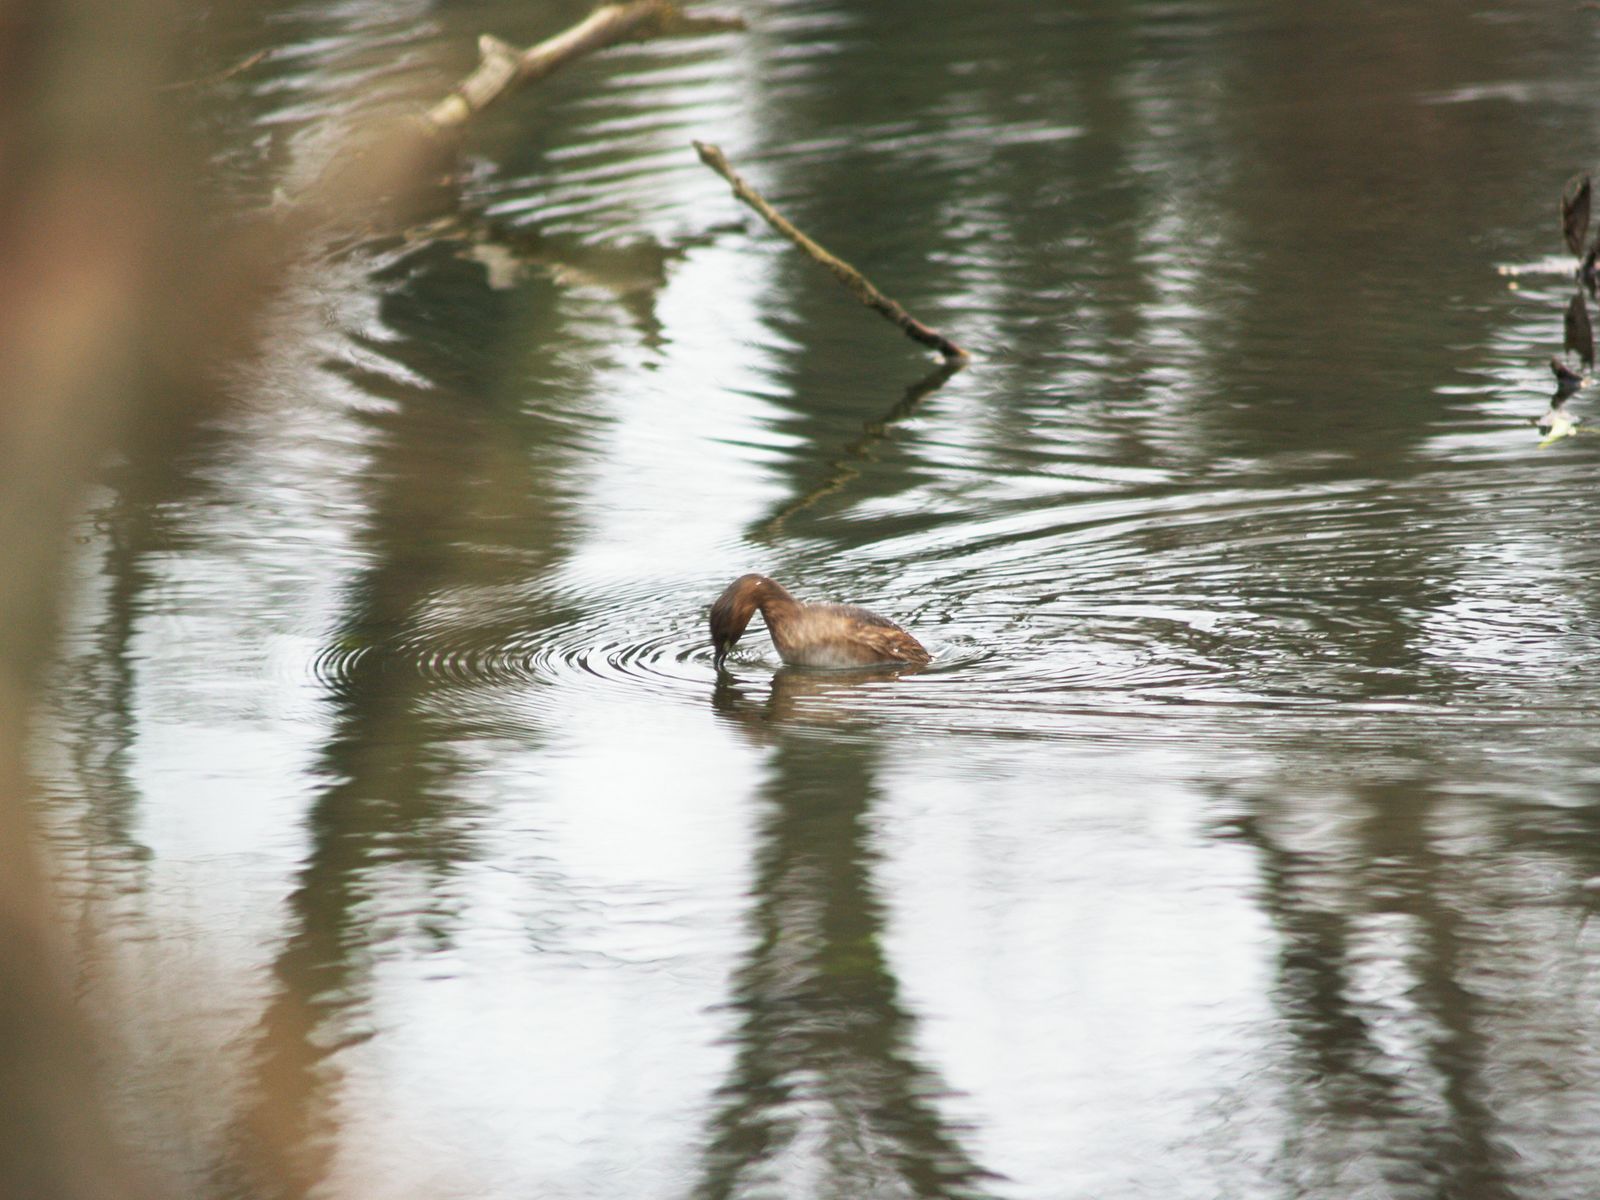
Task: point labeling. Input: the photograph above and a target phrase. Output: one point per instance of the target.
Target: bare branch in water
(238, 68)
(394, 157)
(859, 285)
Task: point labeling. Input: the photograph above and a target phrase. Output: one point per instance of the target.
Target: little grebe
(810, 635)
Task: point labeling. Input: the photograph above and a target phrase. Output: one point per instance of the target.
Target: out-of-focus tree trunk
(82, 183)
(118, 297)
(102, 273)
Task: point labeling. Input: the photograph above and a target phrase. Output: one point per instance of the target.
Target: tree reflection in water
(826, 1097)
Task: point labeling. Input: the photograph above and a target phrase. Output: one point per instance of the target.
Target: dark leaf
(1580, 335)
(1575, 212)
(1567, 380)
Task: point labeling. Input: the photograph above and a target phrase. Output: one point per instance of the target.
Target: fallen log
(502, 68)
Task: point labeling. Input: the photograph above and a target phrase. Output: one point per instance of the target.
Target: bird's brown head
(731, 613)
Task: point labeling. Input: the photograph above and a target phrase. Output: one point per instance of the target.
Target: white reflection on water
(692, 437)
(565, 1039)
(1063, 930)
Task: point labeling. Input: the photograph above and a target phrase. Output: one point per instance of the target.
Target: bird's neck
(775, 603)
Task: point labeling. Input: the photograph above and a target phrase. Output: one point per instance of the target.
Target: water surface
(1234, 843)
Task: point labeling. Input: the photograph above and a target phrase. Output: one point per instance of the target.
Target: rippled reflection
(825, 1096)
(1410, 943)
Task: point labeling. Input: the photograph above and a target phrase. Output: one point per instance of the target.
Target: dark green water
(1233, 845)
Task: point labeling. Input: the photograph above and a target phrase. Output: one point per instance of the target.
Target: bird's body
(810, 635)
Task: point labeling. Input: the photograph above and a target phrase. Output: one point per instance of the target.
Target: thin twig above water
(858, 284)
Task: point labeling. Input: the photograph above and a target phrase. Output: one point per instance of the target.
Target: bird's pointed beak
(721, 654)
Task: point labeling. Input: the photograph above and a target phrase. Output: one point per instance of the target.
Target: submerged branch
(858, 284)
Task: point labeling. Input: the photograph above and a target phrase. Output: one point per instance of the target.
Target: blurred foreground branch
(858, 284)
(90, 241)
(121, 302)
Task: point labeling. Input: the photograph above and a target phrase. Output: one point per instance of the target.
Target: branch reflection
(846, 465)
(389, 832)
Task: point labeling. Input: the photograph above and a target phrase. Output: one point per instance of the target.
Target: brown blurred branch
(82, 296)
(858, 284)
(119, 303)
(503, 68)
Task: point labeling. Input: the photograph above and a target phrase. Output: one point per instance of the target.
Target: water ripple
(1046, 617)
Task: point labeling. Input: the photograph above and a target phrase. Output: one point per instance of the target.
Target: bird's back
(844, 635)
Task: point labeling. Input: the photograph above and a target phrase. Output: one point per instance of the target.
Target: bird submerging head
(810, 635)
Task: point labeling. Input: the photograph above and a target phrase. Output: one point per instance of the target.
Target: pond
(1236, 841)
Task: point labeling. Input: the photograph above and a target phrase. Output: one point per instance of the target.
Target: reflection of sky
(1064, 933)
(226, 726)
(682, 467)
(566, 1042)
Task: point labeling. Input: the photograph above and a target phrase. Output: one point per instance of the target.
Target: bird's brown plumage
(810, 635)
